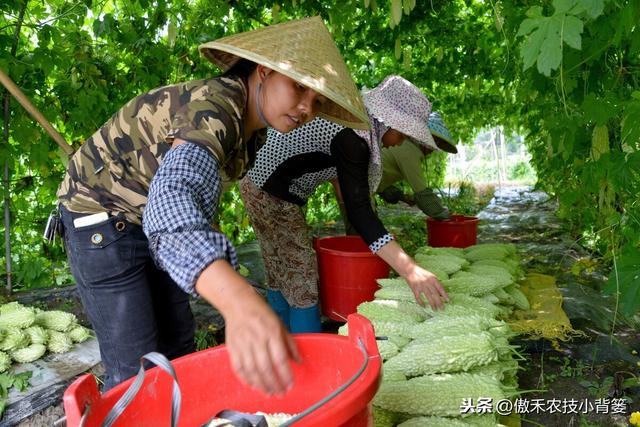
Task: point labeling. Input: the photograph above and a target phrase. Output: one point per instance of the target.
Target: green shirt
(114, 167)
(402, 162)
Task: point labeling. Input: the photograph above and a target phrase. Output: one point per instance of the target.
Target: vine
(576, 77)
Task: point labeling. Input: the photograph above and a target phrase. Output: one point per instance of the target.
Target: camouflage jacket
(114, 167)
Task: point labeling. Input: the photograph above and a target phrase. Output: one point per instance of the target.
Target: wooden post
(494, 136)
(35, 113)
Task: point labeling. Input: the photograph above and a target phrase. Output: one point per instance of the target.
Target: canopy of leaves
(565, 73)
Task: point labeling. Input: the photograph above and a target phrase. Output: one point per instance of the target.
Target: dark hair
(243, 69)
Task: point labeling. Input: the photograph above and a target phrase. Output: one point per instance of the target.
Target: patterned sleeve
(183, 198)
(351, 154)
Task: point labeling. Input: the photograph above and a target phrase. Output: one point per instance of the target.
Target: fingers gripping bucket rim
(347, 272)
(459, 231)
(208, 385)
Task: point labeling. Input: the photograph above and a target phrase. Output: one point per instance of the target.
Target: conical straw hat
(304, 51)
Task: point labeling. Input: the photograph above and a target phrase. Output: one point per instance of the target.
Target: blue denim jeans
(133, 306)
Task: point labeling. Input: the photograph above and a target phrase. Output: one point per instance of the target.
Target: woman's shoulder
(221, 91)
(348, 139)
(350, 146)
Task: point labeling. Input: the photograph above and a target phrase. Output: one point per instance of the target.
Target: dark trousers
(133, 306)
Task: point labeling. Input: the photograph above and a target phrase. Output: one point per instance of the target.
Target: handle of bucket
(176, 398)
(334, 393)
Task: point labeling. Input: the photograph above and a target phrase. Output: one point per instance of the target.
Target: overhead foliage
(565, 73)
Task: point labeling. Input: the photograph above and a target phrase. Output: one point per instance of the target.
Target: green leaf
(102, 27)
(570, 85)
(534, 12)
(21, 380)
(625, 279)
(531, 48)
(631, 125)
(563, 6)
(626, 21)
(6, 381)
(550, 54)
(623, 176)
(593, 8)
(527, 26)
(571, 31)
(598, 110)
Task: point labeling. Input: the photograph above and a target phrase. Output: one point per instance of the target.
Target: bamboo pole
(35, 113)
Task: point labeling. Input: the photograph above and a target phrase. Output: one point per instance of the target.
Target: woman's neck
(252, 121)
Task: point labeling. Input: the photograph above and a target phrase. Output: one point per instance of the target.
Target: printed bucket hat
(399, 104)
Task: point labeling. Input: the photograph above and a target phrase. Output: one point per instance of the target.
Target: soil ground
(600, 365)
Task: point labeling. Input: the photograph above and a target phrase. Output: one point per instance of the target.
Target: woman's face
(287, 104)
(392, 138)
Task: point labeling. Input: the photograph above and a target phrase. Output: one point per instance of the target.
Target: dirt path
(591, 370)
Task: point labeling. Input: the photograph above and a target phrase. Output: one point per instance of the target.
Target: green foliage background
(554, 71)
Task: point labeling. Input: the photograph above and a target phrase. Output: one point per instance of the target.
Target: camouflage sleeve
(183, 198)
(210, 122)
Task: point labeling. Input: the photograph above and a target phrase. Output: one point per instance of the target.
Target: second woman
(288, 169)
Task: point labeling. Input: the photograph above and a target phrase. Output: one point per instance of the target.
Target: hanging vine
(565, 73)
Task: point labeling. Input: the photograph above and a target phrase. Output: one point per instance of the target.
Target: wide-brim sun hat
(399, 104)
(304, 51)
(440, 132)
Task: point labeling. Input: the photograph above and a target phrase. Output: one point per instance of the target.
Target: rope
(176, 398)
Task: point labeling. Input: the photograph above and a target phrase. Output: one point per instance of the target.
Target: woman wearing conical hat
(288, 169)
(139, 196)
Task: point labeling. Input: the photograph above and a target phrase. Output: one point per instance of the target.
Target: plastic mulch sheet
(545, 318)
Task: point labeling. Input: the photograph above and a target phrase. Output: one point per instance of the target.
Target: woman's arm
(351, 154)
(259, 346)
(183, 197)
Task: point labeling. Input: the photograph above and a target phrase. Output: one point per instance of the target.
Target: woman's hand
(421, 281)
(259, 345)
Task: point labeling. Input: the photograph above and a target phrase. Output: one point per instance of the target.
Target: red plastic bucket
(459, 231)
(347, 271)
(208, 386)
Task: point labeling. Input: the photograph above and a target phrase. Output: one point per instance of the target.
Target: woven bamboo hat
(304, 51)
